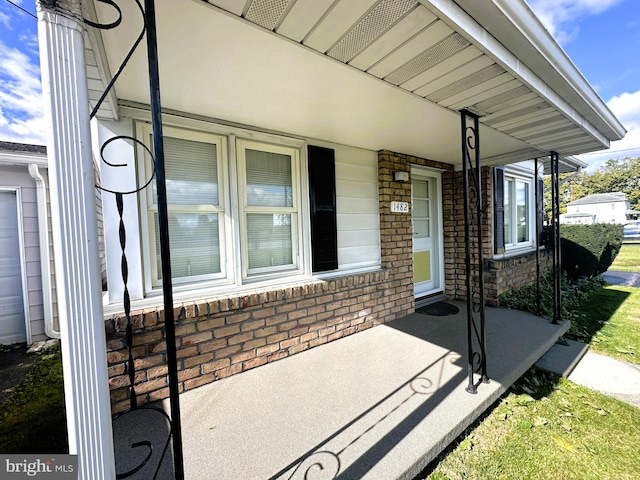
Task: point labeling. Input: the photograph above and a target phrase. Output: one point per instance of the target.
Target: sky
(602, 37)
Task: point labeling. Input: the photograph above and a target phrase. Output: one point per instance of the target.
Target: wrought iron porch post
(539, 197)
(157, 155)
(473, 215)
(555, 222)
(163, 223)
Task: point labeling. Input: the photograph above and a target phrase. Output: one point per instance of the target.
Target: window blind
(191, 170)
(269, 182)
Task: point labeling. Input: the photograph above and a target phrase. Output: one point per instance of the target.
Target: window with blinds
(196, 211)
(268, 178)
(233, 218)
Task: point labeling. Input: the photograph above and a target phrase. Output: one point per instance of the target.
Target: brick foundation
(502, 275)
(225, 336)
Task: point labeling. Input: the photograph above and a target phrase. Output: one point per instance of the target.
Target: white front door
(12, 320)
(425, 219)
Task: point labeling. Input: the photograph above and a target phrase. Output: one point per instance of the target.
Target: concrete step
(563, 357)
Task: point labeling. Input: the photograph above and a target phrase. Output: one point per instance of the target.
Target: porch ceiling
(377, 74)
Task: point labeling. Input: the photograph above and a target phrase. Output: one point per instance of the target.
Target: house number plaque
(399, 207)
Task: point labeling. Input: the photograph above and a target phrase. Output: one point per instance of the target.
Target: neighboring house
(313, 162)
(598, 208)
(27, 293)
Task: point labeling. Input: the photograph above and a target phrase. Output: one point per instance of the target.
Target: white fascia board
(468, 27)
(529, 26)
(23, 158)
(573, 162)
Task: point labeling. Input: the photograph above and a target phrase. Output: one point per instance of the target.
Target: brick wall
(502, 275)
(225, 336)
(396, 231)
(454, 231)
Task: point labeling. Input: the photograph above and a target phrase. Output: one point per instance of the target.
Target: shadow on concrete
(374, 434)
(367, 433)
(142, 444)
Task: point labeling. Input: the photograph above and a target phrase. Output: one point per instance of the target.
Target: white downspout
(45, 257)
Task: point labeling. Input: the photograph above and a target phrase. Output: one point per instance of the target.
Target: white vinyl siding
(358, 214)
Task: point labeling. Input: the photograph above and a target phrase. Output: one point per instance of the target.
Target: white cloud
(5, 21)
(29, 41)
(21, 106)
(626, 107)
(560, 17)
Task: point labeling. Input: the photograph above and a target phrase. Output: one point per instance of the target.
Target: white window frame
(230, 142)
(511, 177)
(296, 239)
(149, 208)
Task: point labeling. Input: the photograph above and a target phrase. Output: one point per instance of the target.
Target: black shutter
(322, 193)
(498, 209)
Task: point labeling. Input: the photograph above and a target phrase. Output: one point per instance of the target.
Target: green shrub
(573, 294)
(588, 250)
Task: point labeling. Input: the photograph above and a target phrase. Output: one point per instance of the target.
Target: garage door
(12, 322)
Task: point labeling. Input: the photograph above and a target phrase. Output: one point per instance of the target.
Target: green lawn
(32, 419)
(548, 428)
(610, 323)
(628, 259)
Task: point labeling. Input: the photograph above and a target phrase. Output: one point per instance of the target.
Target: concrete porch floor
(380, 404)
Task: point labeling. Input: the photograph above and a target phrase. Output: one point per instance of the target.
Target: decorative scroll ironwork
(555, 229)
(124, 266)
(133, 48)
(473, 220)
(154, 445)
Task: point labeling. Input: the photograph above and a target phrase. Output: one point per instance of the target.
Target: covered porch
(414, 77)
(381, 404)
